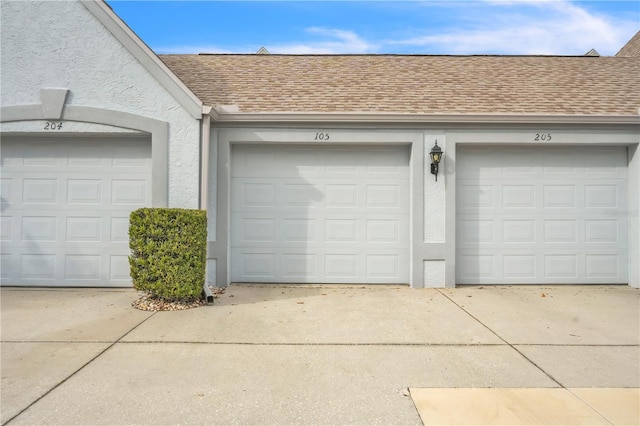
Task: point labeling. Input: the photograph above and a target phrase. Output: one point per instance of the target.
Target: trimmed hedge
(168, 252)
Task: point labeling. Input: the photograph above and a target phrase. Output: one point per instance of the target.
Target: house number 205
(321, 136)
(545, 137)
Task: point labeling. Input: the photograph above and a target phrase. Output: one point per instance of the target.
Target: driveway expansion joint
(501, 338)
(183, 342)
(82, 367)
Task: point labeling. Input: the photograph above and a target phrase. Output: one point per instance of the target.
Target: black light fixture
(436, 156)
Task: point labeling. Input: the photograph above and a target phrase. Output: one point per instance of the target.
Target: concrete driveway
(322, 355)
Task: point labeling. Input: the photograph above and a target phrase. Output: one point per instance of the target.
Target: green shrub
(168, 251)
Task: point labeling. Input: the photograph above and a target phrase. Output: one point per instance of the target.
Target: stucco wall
(434, 192)
(61, 44)
(40, 127)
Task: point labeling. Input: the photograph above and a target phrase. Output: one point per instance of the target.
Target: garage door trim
(219, 244)
(159, 131)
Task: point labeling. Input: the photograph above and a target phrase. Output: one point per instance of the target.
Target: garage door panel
(605, 162)
(82, 266)
(7, 265)
(119, 269)
(518, 196)
(472, 196)
(263, 229)
(513, 234)
(84, 191)
(555, 268)
(386, 231)
(519, 266)
(330, 265)
(42, 155)
(300, 230)
(39, 191)
(84, 229)
(560, 231)
(607, 266)
(66, 206)
(130, 192)
(341, 195)
(254, 264)
(601, 196)
(383, 267)
(41, 266)
(517, 231)
(553, 223)
(7, 189)
(299, 266)
(6, 228)
(602, 231)
(322, 224)
(299, 195)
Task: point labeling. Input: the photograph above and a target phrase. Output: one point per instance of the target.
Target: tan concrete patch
(29, 370)
(320, 314)
(588, 366)
(68, 315)
(503, 407)
(620, 406)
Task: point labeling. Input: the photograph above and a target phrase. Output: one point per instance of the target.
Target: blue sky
(511, 27)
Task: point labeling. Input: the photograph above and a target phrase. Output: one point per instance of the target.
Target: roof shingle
(632, 48)
(414, 83)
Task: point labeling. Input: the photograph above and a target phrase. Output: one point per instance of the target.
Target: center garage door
(65, 209)
(547, 215)
(331, 214)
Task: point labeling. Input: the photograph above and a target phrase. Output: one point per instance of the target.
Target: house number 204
(321, 136)
(52, 125)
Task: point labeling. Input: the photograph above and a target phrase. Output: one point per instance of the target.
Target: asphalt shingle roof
(414, 83)
(632, 48)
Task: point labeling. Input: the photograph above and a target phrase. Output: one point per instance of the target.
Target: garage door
(320, 214)
(541, 215)
(65, 208)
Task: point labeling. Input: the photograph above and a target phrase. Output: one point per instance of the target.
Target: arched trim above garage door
(159, 131)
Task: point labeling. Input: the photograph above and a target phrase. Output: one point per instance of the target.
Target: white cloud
(529, 27)
(329, 41)
(335, 42)
(518, 27)
(193, 49)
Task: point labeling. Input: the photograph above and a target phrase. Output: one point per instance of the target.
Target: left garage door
(66, 206)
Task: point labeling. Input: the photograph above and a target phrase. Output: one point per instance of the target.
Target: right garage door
(541, 215)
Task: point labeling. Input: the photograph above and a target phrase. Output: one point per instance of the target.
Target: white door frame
(219, 244)
(560, 135)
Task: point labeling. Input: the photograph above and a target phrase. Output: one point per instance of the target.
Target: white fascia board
(146, 56)
(211, 112)
(422, 118)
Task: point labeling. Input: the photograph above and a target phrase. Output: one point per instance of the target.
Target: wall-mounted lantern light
(436, 156)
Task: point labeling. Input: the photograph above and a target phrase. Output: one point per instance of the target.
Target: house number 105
(320, 136)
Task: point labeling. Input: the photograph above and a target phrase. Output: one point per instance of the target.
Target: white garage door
(541, 215)
(65, 209)
(320, 214)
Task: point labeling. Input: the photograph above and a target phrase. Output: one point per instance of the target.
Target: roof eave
(391, 118)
